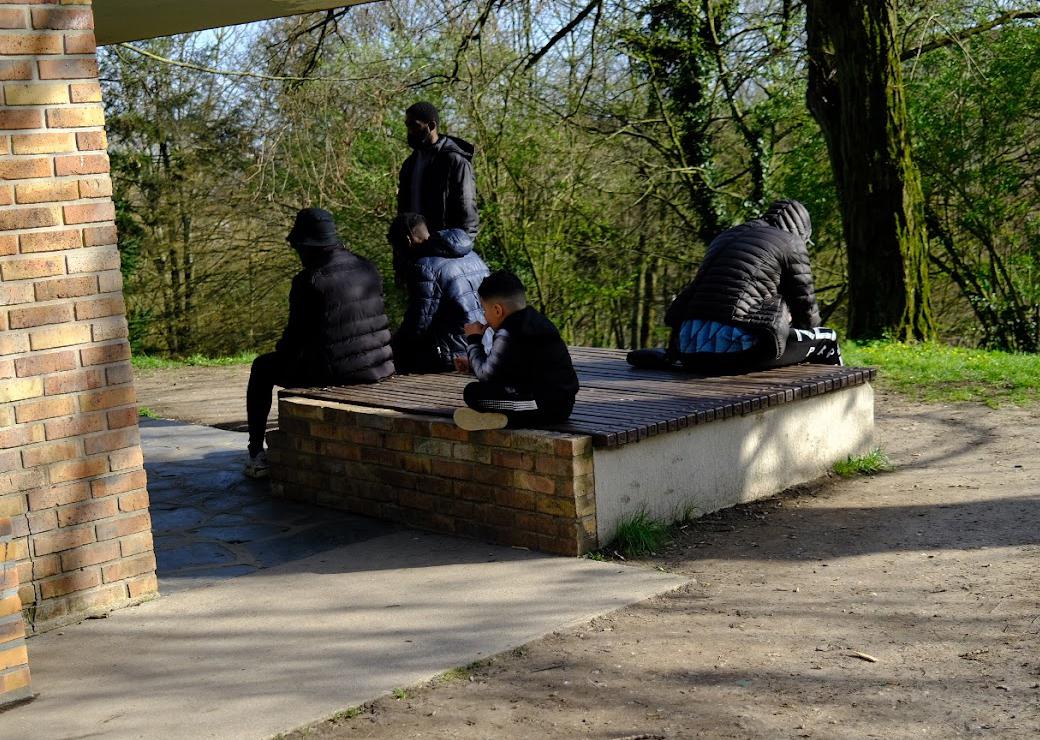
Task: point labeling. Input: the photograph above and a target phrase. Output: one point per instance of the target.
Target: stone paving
(211, 523)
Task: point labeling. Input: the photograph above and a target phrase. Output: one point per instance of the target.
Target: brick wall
(72, 486)
(14, 662)
(515, 487)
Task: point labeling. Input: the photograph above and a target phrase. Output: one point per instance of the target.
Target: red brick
(68, 69)
(107, 399)
(62, 335)
(82, 557)
(49, 453)
(51, 241)
(119, 374)
(29, 218)
(133, 501)
(533, 482)
(114, 327)
(90, 213)
(99, 236)
(510, 459)
(122, 418)
(69, 287)
(105, 354)
(80, 43)
(41, 364)
(84, 380)
(516, 499)
(45, 567)
(47, 191)
(62, 539)
(122, 483)
(63, 494)
(74, 426)
(112, 440)
(8, 244)
(93, 260)
(136, 543)
(79, 581)
(131, 457)
(24, 318)
(85, 92)
(29, 44)
(35, 267)
(52, 143)
(140, 586)
(18, 118)
(87, 467)
(87, 141)
(15, 69)
(97, 187)
(11, 344)
(10, 460)
(12, 18)
(132, 524)
(26, 167)
(79, 164)
(20, 435)
(88, 511)
(44, 409)
(63, 19)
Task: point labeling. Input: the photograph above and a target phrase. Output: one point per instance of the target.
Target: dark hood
(459, 146)
(315, 257)
(790, 216)
(452, 243)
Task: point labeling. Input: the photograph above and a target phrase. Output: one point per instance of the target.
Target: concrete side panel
(712, 466)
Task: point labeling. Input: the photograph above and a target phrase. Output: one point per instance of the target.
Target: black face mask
(419, 139)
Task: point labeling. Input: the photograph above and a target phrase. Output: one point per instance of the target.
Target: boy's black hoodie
(529, 355)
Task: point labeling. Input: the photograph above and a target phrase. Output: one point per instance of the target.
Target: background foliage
(614, 139)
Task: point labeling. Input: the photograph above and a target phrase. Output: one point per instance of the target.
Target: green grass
(147, 413)
(640, 535)
(875, 461)
(153, 362)
(941, 373)
(399, 694)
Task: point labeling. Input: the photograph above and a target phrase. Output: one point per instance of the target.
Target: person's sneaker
(477, 421)
(257, 465)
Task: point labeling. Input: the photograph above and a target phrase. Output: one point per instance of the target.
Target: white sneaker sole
(476, 421)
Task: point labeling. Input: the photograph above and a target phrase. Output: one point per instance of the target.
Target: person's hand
(462, 363)
(474, 328)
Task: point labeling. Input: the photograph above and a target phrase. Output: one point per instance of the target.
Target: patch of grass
(399, 694)
(875, 461)
(147, 413)
(640, 535)
(941, 373)
(455, 674)
(154, 362)
(346, 714)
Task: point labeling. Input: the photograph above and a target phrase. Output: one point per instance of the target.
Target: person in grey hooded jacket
(752, 304)
(441, 273)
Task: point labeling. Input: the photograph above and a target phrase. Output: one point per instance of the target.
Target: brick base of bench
(525, 488)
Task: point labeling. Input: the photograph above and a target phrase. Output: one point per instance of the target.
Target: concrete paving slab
(256, 655)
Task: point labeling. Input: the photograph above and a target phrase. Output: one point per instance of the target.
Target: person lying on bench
(527, 379)
(752, 304)
(442, 273)
(337, 333)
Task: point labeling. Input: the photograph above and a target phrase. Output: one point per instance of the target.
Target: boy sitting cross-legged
(527, 378)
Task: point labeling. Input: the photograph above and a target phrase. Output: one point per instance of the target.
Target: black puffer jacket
(338, 332)
(527, 354)
(756, 276)
(443, 277)
(448, 195)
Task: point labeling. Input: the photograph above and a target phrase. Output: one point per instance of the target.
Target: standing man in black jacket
(437, 179)
(752, 304)
(337, 334)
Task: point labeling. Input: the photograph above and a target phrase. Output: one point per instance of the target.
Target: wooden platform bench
(665, 444)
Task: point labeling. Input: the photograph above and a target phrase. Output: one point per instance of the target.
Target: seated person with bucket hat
(337, 333)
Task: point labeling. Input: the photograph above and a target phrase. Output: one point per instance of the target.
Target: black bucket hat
(314, 227)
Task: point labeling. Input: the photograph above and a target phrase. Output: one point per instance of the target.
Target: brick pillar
(72, 486)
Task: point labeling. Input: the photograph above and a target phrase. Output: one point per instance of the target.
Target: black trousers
(419, 355)
(520, 407)
(269, 370)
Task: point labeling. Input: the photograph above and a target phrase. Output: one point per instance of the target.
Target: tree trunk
(856, 95)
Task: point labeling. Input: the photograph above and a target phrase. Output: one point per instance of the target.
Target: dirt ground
(901, 605)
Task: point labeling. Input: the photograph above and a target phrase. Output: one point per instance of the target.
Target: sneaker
(257, 466)
(477, 421)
